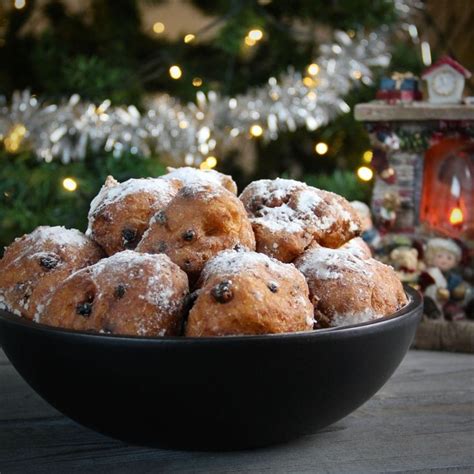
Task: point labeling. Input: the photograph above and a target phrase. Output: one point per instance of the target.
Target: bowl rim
(412, 308)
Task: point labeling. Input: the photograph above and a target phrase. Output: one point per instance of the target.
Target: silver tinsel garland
(190, 133)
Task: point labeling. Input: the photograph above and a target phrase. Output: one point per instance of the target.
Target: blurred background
(252, 88)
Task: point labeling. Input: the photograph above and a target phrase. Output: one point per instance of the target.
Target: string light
(357, 74)
(313, 69)
(189, 37)
(69, 184)
(256, 130)
(365, 173)
(309, 82)
(159, 27)
(256, 34)
(426, 53)
(197, 81)
(367, 156)
(211, 161)
(321, 148)
(19, 4)
(13, 140)
(249, 41)
(175, 72)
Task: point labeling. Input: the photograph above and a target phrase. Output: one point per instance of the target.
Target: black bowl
(217, 393)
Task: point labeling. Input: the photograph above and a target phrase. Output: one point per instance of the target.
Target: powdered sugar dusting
(188, 175)
(277, 219)
(157, 289)
(232, 262)
(329, 264)
(205, 191)
(346, 319)
(34, 243)
(59, 235)
(358, 247)
(285, 205)
(113, 192)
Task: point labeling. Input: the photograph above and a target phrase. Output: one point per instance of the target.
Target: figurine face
(444, 83)
(366, 222)
(444, 260)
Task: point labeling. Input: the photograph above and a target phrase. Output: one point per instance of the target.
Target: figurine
(444, 290)
(388, 211)
(406, 263)
(370, 234)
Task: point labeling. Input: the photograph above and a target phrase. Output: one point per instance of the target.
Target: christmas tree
(106, 55)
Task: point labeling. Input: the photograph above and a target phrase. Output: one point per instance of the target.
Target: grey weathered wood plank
(379, 111)
(422, 420)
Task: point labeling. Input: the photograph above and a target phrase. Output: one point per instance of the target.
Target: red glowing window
(447, 201)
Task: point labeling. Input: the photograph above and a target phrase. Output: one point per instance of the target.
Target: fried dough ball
(358, 247)
(35, 264)
(245, 292)
(128, 293)
(187, 175)
(120, 213)
(197, 224)
(346, 289)
(288, 216)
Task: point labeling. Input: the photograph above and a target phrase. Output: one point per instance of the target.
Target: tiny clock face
(444, 83)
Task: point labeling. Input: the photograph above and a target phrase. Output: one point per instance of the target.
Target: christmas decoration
(401, 87)
(445, 81)
(188, 133)
(423, 203)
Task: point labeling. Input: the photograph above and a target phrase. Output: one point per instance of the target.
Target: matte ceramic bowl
(216, 393)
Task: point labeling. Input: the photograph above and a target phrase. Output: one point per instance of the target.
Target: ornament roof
(450, 62)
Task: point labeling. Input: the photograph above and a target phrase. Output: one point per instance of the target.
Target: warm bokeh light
(14, 138)
(256, 130)
(255, 34)
(313, 69)
(175, 72)
(211, 161)
(357, 74)
(189, 37)
(69, 184)
(456, 217)
(204, 166)
(367, 156)
(309, 82)
(159, 27)
(249, 41)
(321, 148)
(365, 173)
(197, 82)
(19, 4)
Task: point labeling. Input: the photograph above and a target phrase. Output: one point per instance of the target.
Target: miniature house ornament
(445, 80)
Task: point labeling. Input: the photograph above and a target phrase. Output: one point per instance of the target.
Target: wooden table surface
(422, 420)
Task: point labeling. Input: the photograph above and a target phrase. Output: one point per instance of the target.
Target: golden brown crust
(120, 213)
(249, 293)
(288, 216)
(35, 264)
(197, 224)
(346, 289)
(128, 293)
